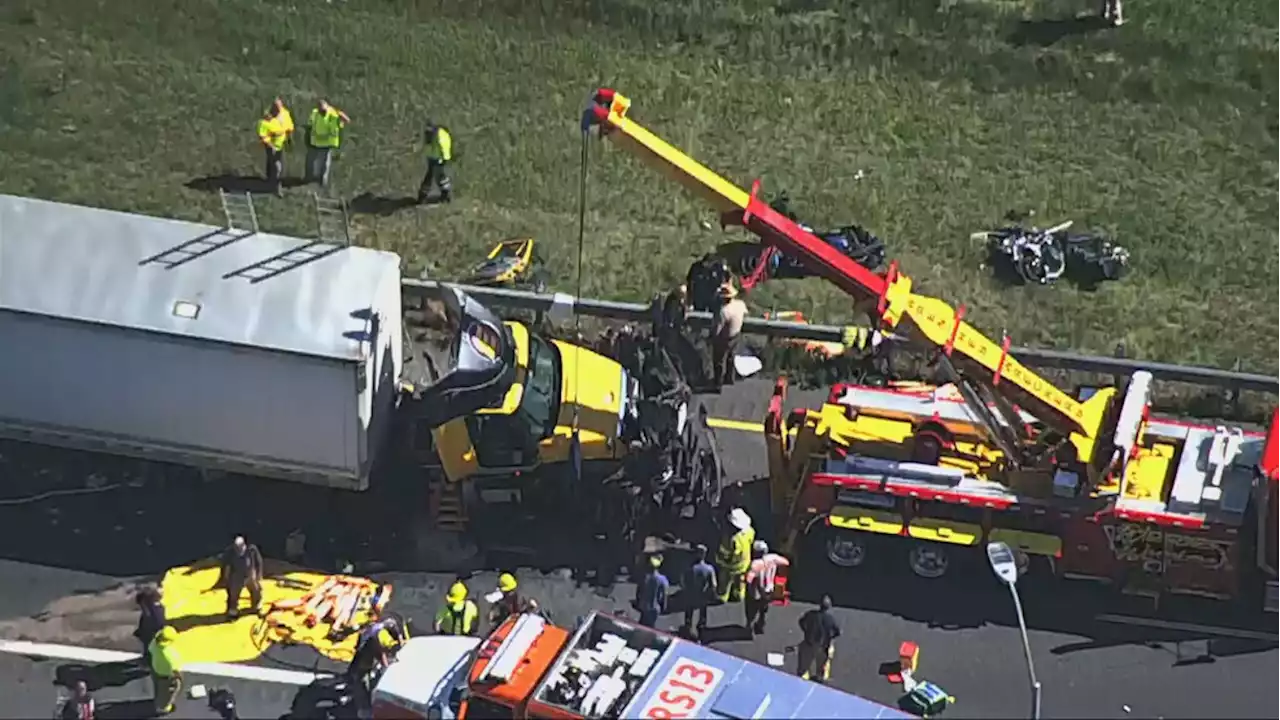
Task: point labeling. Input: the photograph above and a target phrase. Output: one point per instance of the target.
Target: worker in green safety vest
(439, 156)
(459, 614)
(324, 135)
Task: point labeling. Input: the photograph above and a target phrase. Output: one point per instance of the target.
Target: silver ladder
(333, 234)
(239, 211)
(333, 224)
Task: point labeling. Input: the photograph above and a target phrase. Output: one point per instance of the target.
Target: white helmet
(739, 519)
(760, 547)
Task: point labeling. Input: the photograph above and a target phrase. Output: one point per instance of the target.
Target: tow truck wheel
(928, 560)
(846, 550)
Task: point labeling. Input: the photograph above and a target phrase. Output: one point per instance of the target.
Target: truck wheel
(846, 549)
(928, 560)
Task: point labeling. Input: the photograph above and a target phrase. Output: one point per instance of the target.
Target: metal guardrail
(562, 304)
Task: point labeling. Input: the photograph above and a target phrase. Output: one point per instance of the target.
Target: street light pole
(1026, 649)
(1005, 566)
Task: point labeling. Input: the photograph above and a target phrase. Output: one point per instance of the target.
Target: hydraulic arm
(983, 363)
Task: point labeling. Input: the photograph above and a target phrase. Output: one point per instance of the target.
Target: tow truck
(1090, 482)
(606, 667)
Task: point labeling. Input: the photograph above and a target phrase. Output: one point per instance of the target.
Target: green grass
(1162, 132)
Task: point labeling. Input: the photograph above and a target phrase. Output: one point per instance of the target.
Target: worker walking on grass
(459, 614)
(697, 591)
(728, 332)
(324, 135)
(813, 655)
(151, 619)
(242, 568)
(1113, 12)
(651, 593)
(761, 575)
(439, 157)
(274, 130)
(509, 602)
(733, 559)
(166, 670)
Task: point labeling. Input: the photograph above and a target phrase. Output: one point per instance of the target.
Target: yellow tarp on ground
(195, 605)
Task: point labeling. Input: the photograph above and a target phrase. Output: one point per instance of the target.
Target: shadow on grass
(1048, 32)
(370, 204)
(233, 183)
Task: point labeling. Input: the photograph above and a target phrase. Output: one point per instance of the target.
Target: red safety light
(1270, 463)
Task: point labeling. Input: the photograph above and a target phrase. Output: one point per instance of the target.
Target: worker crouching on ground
(760, 583)
(734, 557)
(459, 614)
(375, 645)
(151, 619)
(698, 590)
(508, 603)
(324, 135)
(651, 593)
(727, 335)
(813, 655)
(439, 156)
(274, 130)
(242, 568)
(166, 670)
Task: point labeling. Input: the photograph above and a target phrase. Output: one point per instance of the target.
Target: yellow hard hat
(506, 582)
(168, 634)
(457, 593)
(655, 561)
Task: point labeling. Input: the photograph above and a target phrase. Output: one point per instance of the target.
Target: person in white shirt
(760, 584)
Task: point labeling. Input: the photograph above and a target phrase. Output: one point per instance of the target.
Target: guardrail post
(1232, 405)
(1117, 380)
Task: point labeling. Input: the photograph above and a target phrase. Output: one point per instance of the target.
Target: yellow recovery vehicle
(1090, 482)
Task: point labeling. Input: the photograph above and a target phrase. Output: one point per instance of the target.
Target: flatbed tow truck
(606, 667)
(1089, 483)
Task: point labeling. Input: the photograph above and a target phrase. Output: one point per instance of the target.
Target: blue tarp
(696, 681)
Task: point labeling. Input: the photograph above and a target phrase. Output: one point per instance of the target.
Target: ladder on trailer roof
(333, 233)
(239, 211)
(241, 221)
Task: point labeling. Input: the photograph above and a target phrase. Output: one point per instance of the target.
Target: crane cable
(576, 442)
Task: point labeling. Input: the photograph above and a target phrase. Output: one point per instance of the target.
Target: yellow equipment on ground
(299, 607)
(511, 262)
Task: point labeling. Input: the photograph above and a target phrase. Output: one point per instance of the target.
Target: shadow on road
(105, 675)
(125, 710)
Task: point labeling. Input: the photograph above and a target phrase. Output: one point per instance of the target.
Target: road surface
(73, 559)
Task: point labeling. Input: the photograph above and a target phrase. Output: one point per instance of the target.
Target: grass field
(1162, 132)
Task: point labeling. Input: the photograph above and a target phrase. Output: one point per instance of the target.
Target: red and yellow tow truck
(1092, 482)
(606, 667)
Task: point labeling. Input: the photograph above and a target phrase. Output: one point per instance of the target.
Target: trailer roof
(133, 271)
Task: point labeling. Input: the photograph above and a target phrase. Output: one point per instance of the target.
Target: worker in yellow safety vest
(733, 558)
(459, 614)
(439, 156)
(324, 135)
(274, 131)
(166, 669)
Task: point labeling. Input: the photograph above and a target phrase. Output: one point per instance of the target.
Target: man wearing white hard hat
(734, 557)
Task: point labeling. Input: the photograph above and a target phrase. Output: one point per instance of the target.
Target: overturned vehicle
(1033, 256)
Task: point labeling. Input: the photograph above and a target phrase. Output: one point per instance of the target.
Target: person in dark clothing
(509, 604)
(699, 591)
(242, 568)
(151, 617)
(373, 645)
(80, 705)
(651, 593)
(814, 652)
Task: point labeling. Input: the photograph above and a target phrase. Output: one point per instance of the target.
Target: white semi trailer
(169, 340)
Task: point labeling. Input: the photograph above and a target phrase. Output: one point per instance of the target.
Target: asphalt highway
(74, 558)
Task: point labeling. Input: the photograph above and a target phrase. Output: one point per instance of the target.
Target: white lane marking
(223, 670)
(1188, 627)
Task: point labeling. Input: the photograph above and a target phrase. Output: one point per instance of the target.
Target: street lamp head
(1003, 562)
